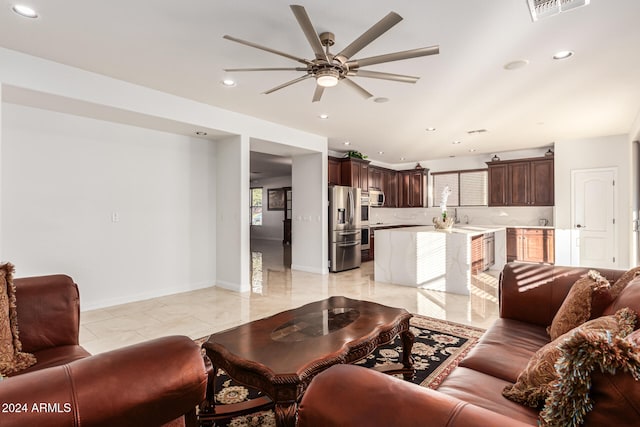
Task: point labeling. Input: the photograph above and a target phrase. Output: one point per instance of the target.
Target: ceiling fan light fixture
(327, 78)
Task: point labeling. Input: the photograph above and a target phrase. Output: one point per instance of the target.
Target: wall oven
(364, 210)
(364, 241)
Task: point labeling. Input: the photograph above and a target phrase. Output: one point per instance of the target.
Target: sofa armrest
(533, 293)
(147, 384)
(48, 311)
(349, 395)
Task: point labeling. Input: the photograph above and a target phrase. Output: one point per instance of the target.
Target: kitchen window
(468, 188)
(256, 206)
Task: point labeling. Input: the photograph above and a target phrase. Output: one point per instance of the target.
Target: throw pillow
(12, 359)
(587, 299)
(623, 281)
(583, 354)
(534, 383)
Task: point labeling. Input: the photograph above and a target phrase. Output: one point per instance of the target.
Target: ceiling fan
(329, 69)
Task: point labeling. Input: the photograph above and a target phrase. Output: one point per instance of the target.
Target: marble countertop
(465, 228)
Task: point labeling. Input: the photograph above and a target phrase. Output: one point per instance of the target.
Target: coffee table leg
(208, 407)
(286, 413)
(407, 344)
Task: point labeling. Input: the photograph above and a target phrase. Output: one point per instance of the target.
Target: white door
(594, 232)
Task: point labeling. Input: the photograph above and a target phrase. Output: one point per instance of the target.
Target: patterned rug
(438, 347)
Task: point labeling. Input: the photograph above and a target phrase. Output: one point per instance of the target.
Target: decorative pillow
(623, 281)
(12, 359)
(583, 354)
(587, 299)
(534, 383)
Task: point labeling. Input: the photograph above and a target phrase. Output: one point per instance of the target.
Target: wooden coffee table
(281, 354)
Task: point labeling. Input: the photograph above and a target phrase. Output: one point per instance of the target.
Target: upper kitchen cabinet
(525, 182)
(335, 171)
(412, 187)
(355, 173)
(376, 178)
(390, 184)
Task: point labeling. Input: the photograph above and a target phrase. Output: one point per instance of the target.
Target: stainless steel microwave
(376, 198)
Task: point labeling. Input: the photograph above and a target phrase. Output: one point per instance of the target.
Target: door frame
(575, 252)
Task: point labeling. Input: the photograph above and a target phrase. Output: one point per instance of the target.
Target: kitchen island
(433, 259)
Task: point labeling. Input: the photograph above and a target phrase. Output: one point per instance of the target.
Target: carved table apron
(280, 355)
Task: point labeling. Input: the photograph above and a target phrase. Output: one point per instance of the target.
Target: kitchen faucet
(456, 220)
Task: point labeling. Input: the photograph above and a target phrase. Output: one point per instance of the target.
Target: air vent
(541, 9)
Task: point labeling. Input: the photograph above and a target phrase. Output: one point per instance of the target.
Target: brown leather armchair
(155, 383)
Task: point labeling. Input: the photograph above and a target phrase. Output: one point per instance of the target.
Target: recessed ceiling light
(563, 54)
(201, 133)
(228, 82)
(380, 100)
(402, 158)
(323, 116)
(347, 143)
(24, 11)
(380, 152)
(456, 142)
(471, 150)
(514, 65)
(430, 129)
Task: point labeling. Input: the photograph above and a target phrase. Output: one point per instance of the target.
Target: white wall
(309, 235)
(232, 214)
(272, 227)
(40, 83)
(603, 152)
(125, 211)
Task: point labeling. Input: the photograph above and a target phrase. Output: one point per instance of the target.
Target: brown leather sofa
(155, 383)
(530, 295)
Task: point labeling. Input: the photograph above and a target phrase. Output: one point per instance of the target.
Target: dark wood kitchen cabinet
(412, 188)
(390, 184)
(335, 171)
(525, 182)
(355, 173)
(376, 178)
(530, 245)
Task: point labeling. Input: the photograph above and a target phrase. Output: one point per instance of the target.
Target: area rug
(439, 346)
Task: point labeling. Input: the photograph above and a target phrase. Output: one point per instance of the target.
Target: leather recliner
(155, 383)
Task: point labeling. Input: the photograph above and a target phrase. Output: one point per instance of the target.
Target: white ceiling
(177, 47)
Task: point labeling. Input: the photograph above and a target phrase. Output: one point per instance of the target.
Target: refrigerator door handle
(342, 245)
(348, 233)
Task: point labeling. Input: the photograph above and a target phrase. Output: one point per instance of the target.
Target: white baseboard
(308, 269)
(141, 296)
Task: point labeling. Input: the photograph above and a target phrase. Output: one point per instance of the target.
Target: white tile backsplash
(515, 216)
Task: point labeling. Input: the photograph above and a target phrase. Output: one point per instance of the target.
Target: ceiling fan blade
(289, 83)
(368, 36)
(383, 76)
(396, 56)
(310, 32)
(317, 94)
(266, 69)
(357, 87)
(267, 49)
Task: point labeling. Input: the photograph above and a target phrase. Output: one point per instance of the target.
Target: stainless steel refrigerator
(344, 228)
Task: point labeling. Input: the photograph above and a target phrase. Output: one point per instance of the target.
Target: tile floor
(275, 288)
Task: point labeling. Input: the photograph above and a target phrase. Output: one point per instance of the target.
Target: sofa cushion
(587, 299)
(484, 391)
(628, 297)
(12, 358)
(623, 281)
(515, 341)
(596, 367)
(535, 382)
